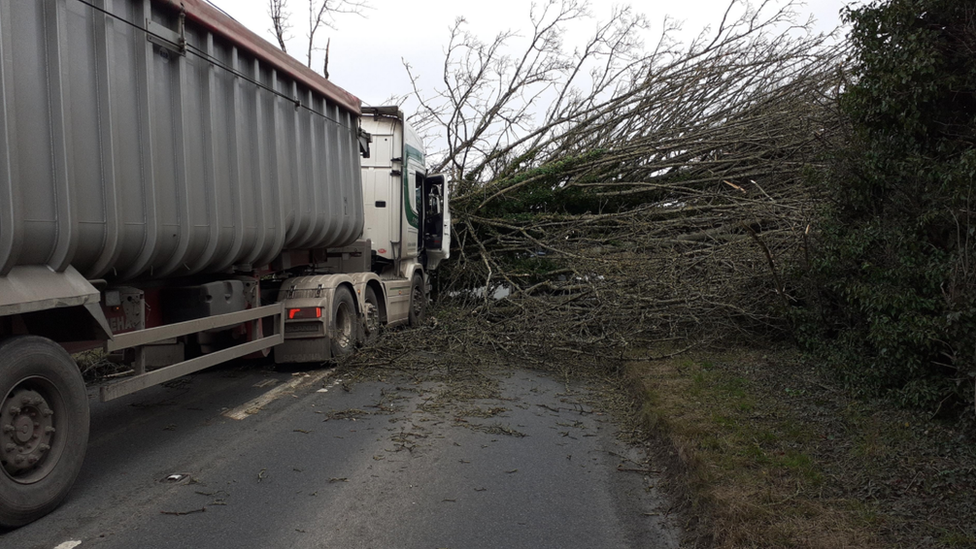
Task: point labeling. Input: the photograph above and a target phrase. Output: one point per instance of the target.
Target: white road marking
(254, 406)
(68, 545)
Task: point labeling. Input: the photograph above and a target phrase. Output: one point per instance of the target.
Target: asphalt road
(247, 457)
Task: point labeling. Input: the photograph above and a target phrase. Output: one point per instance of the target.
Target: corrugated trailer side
(149, 139)
(141, 142)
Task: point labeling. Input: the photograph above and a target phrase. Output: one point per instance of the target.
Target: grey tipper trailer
(177, 191)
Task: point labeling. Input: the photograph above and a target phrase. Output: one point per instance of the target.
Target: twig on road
(182, 513)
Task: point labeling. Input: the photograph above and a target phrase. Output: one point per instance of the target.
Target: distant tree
(321, 13)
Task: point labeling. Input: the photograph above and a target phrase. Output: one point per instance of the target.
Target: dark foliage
(891, 287)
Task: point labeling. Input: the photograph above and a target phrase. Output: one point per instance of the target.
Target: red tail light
(305, 313)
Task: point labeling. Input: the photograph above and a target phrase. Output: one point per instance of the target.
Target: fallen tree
(660, 194)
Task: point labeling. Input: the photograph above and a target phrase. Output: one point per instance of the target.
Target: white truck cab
(406, 210)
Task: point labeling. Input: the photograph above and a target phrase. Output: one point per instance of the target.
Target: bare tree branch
(322, 13)
(277, 10)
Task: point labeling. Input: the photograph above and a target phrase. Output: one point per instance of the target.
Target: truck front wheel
(418, 302)
(43, 428)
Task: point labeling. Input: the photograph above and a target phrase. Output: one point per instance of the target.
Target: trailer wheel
(344, 323)
(43, 428)
(371, 317)
(418, 301)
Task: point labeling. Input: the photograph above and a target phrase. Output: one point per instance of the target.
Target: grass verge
(768, 454)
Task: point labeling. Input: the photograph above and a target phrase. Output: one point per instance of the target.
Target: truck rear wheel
(418, 301)
(43, 428)
(344, 323)
(371, 317)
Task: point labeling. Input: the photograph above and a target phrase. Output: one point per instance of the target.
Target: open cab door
(437, 220)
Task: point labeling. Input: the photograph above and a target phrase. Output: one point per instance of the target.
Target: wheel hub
(26, 430)
(23, 429)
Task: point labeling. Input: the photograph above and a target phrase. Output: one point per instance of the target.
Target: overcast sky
(366, 51)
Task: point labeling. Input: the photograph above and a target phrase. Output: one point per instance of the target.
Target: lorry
(178, 192)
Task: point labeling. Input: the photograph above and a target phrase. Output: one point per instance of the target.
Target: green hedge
(891, 288)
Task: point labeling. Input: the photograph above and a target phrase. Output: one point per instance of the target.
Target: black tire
(371, 317)
(418, 301)
(44, 418)
(345, 328)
